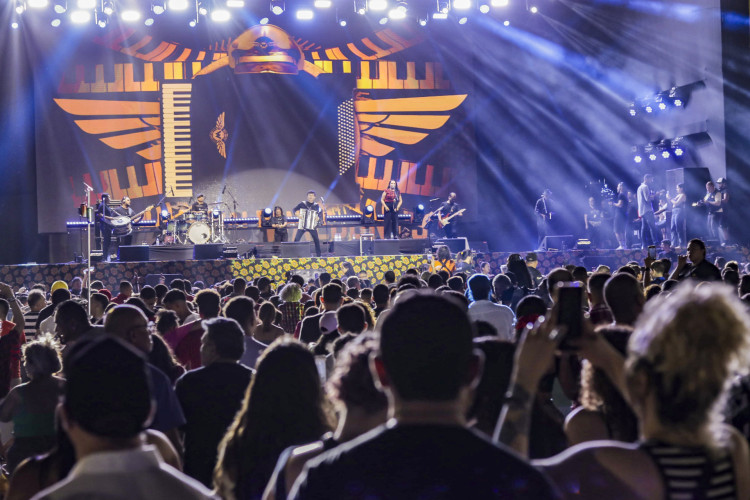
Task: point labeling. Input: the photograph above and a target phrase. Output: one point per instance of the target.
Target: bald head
(131, 325)
(624, 296)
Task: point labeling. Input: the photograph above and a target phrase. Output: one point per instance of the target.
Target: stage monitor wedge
(209, 251)
(295, 250)
(133, 253)
(560, 242)
(386, 247)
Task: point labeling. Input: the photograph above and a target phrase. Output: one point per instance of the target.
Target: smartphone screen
(652, 251)
(570, 311)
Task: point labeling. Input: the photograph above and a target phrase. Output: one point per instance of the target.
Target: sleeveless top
(693, 473)
(32, 424)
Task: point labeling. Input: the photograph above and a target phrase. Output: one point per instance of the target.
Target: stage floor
(213, 271)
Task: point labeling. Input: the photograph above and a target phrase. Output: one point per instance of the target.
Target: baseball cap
(328, 322)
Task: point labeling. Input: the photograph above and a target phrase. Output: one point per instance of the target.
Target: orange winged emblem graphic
(382, 124)
(119, 124)
(219, 136)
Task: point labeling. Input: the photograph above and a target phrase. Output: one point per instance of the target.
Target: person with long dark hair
(278, 223)
(391, 201)
(283, 406)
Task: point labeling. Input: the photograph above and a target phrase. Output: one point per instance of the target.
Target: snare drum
(195, 217)
(199, 233)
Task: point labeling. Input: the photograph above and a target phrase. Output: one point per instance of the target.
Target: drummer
(200, 205)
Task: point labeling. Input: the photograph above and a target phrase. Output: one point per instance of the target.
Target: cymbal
(181, 206)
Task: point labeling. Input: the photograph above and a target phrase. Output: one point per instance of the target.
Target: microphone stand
(234, 203)
(89, 189)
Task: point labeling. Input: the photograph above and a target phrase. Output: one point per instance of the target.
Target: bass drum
(199, 233)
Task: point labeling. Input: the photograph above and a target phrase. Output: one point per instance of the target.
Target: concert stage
(215, 270)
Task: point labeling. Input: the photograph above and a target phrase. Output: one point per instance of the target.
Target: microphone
(224, 189)
(434, 199)
(172, 190)
(88, 188)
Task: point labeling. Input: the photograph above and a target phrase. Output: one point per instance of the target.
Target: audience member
(482, 308)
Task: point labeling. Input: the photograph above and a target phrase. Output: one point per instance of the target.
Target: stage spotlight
(264, 20)
(60, 7)
(443, 6)
(678, 152)
(637, 158)
(277, 7)
(192, 23)
(108, 7)
(202, 10)
(102, 19)
(506, 23)
(662, 106)
(177, 4)
(499, 3)
(19, 9)
(368, 215)
(632, 112)
(360, 7)
(148, 21)
(55, 23)
(14, 25)
(38, 4)
(322, 4)
(419, 213)
(235, 4)
(265, 217)
(463, 20)
(399, 12)
(305, 14)
(157, 7)
(439, 15)
(533, 10)
(665, 154)
(484, 8)
(80, 16)
(85, 4)
(220, 15)
(378, 4)
(423, 21)
(461, 4)
(130, 15)
(383, 20)
(165, 214)
(649, 109)
(652, 157)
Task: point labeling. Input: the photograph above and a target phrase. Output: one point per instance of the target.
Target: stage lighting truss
(666, 100)
(670, 149)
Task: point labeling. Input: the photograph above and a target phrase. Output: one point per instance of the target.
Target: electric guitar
(122, 225)
(442, 222)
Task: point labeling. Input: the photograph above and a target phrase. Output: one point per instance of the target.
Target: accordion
(308, 219)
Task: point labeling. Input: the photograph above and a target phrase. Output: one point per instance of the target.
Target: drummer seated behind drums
(200, 204)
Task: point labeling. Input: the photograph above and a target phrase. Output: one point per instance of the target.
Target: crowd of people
(450, 383)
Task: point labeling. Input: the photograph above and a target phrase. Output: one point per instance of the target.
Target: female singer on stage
(391, 200)
(278, 223)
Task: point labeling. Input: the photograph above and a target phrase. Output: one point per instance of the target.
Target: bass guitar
(442, 222)
(123, 224)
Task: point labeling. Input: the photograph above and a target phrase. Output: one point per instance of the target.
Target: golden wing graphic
(379, 123)
(220, 135)
(119, 124)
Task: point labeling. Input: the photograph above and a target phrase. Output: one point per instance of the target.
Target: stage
(216, 270)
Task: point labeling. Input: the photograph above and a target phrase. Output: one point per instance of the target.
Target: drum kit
(197, 228)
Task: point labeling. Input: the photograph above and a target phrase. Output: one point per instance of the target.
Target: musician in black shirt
(278, 223)
(448, 208)
(543, 216)
(200, 204)
(309, 214)
(124, 209)
(103, 215)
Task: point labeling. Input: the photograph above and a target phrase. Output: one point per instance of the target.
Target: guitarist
(448, 208)
(103, 215)
(106, 216)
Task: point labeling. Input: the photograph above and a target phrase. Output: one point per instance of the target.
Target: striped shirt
(692, 473)
(29, 328)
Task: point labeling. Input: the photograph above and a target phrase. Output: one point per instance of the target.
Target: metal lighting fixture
(305, 14)
(360, 7)
(277, 7)
(398, 12)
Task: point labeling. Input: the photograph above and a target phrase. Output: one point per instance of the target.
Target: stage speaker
(413, 245)
(295, 250)
(694, 181)
(386, 247)
(133, 253)
(154, 279)
(344, 248)
(210, 251)
(560, 242)
(455, 244)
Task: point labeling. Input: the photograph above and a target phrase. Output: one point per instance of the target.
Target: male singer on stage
(646, 197)
(124, 209)
(543, 216)
(200, 204)
(448, 208)
(103, 215)
(309, 217)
